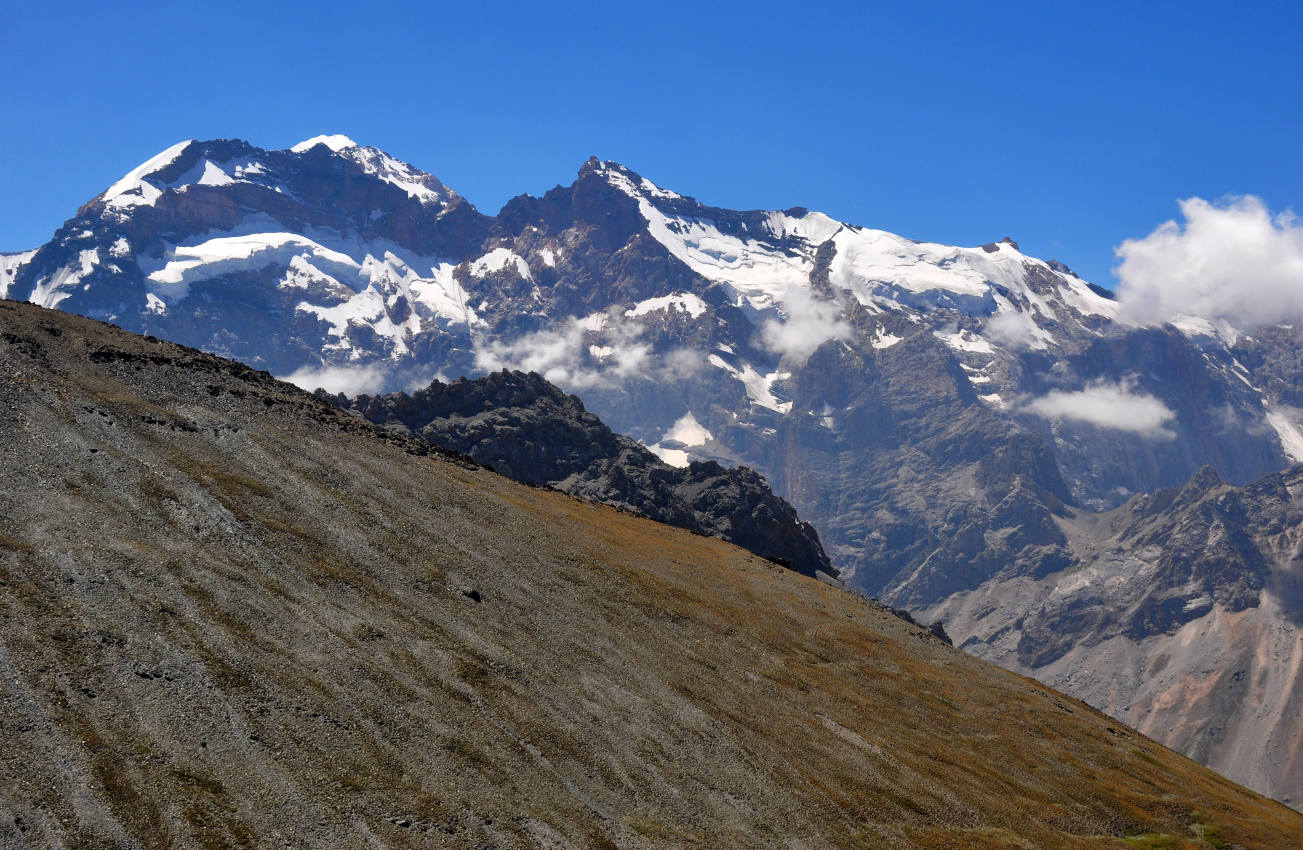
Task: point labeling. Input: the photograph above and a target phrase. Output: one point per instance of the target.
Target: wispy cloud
(583, 354)
(349, 380)
(1014, 328)
(1108, 405)
(1232, 261)
(809, 323)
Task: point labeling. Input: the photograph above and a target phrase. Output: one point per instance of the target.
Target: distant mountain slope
(1181, 614)
(527, 429)
(234, 615)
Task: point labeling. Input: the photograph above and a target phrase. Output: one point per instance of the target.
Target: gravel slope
(232, 616)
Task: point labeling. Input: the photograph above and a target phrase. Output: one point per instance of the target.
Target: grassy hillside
(231, 616)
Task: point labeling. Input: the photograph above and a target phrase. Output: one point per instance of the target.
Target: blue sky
(1069, 130)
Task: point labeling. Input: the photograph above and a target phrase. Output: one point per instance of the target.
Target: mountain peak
(337, 142)
(625, 179)
(594, 165)
(133, 189)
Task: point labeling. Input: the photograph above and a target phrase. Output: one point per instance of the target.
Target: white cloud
(1013, 328)
(1233, 261)
(810, 322)
(583, 353)
(683, 363)
(1108, 405)
(349, 380)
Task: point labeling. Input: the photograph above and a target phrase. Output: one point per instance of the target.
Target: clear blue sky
(1067, 129)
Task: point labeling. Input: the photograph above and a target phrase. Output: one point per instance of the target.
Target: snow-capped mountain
(252, 253)
(939, 413)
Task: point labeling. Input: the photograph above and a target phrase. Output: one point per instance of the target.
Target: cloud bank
(1233, 261)
(1108, 405)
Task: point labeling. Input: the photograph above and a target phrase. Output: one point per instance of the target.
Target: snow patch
(759, 272)
(594, 322)
(10, 264)
(1080, 297)
(49, 291)
(133, 190)
(759, 387)
(363, 282)
(183, 264)
(965, 340)
(425, 188)
(685, 302)
(1291, 439)
(336, 143)
(882, 339)
(767, 265)
(214, 176)
(497, 260)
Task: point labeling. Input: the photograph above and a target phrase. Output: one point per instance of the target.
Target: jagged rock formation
(233, 615)
(530, 431)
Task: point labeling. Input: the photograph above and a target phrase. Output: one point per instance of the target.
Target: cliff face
(527, 429)
(231, 614)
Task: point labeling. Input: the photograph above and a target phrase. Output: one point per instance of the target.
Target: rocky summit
(233, 615)
(947, 418)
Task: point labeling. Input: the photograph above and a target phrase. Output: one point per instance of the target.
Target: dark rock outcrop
(527, 429)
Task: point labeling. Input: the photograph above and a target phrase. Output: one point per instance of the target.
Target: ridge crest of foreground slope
(232, 615)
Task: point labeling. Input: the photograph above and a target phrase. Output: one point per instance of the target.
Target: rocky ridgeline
(527, 429)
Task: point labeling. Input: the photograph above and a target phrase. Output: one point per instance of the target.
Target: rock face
(1182, 614)
(527, 429)
(233, 615)
(943, 416)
